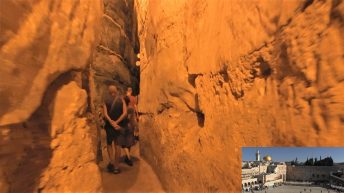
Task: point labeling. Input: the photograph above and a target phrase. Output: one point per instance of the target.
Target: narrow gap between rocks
(116, 62)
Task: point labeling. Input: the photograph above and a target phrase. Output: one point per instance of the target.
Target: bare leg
(110, 153)
(117, 155)
(127, 152)
(128, 157)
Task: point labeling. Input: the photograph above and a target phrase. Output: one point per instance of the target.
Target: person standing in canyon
(115, 113)
(132, 104)
(132, 101)
(127, 139)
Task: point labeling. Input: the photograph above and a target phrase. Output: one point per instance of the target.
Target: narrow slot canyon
(210, 78)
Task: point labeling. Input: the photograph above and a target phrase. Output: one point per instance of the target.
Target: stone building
(249, 183)
(262, 173)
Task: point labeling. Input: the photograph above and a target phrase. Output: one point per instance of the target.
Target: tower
(257, 156)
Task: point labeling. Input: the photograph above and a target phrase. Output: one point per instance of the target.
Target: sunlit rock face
(47, 144)
(39, 41)
(115, 56)
(219, 75)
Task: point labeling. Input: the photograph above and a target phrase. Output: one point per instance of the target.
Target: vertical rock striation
(115, 57)
(219, 75)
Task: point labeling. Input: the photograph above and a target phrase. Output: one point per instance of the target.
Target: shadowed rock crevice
(200, 119)
(200, 115)
(336, 13)
(192, 79)
(264, 68)
(307, 4)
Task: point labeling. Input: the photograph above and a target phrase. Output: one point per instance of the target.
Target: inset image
(292, 169)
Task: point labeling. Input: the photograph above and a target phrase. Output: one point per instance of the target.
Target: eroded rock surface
(219, 75)
(54, 150)
(47, 144)
(39, 41)
(72, 166)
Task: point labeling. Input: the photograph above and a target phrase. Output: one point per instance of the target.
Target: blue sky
(290, 153)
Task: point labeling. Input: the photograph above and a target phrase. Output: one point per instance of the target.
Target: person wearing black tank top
(115, 112)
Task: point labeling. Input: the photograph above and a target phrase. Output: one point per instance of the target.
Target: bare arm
(106, 113)
(135, 107)
(124, 112)
(107, 117)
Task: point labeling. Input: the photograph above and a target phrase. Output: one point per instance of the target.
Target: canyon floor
(139, 178)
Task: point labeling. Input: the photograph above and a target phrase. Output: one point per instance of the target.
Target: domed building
(267, 158)
(262, 172)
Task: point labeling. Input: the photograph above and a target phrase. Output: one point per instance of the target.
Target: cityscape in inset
(307, 169)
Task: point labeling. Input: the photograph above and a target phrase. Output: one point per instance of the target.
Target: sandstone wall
(39, 41)
(219, 75)
(47, 144)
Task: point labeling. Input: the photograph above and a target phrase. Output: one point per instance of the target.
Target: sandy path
(137, 179)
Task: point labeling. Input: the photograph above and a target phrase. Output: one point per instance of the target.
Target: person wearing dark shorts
(115, 112)
(126, 137)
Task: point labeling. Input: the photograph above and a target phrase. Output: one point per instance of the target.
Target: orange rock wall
(40, 40)
(220, 75)
(47, 144)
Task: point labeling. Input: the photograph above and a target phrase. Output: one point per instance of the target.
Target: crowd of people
(121, 126)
